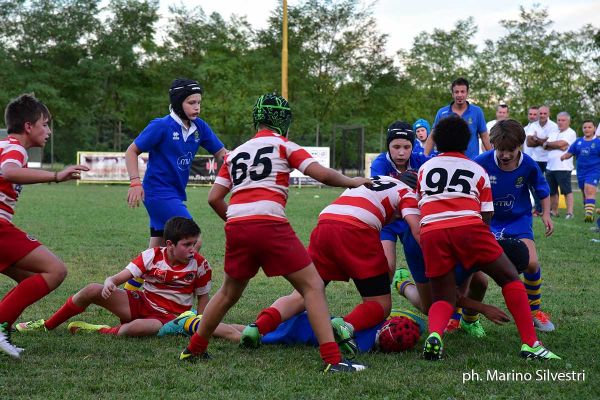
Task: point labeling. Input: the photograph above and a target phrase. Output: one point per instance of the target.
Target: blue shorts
(161, 210)
(393, 230)
(521, 228)
(412, 250)
(588, 179)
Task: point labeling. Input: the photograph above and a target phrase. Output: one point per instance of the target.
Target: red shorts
(141, 308)
(342, 251)
(469, 244)
(272, 245)
(14, 244)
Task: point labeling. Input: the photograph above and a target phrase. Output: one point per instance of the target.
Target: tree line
(104, 70)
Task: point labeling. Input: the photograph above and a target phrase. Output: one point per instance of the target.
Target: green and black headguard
(273, 111)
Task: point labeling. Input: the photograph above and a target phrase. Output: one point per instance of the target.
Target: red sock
(330, 353)
(110, 331)
(22, 296)
(517, 302)
(198, 344)
(68, 310)
(268, 320)
(365, 315)
(439, 315)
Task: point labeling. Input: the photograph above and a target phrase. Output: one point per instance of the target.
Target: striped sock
(134, 284)
(403, 285)
(458, 313)
(590, 207)
(533, 286)
(469, 319)
(190, 325)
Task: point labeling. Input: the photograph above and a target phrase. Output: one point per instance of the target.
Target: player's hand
(548, 224)
(109, 287)
(71, 172)
(495, 314)
(359, 181)
(135, 195)
(410, 178)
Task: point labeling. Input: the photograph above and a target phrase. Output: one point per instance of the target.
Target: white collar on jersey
(387, 155)
(185, 131)
(518, 164)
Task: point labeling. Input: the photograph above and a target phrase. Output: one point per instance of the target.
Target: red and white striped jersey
(11, 151)
(453, 191)
(373, 206)
(171, 288)
(258, 174)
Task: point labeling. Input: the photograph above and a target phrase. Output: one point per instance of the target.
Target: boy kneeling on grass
(172, 276)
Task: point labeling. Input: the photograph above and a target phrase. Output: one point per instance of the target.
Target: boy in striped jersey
(173, 275)
(455, 199)
(35, 268)
(257, 232)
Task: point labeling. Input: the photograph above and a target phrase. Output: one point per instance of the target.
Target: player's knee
(480, 282)
(532, 267)
(57, 273)
(91, 291)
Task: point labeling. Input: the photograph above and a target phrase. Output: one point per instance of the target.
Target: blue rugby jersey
(384, 166)
(588, 156)
(476, 121)
(171, 155)
(510, 189)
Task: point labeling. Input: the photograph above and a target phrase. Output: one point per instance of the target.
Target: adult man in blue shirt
(467, 111)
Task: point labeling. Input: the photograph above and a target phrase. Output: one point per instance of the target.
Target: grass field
(94, 232)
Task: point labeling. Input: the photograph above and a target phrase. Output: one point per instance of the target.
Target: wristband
(135, 184)
(133, 177)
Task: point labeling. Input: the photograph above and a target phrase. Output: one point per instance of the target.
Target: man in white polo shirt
(558, 173)
(532, 118)
(537, 135)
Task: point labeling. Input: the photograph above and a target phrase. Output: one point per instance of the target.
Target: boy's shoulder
(201, 261)
(10, 142)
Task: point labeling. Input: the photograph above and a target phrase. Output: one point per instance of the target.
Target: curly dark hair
(451, 134)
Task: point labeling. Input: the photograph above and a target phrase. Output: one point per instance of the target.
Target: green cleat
(31, 326)
(343, 366)
(474, 329)
(187, 355)
(175, 326)
(537, 352)
(83, 327)
(400, 276)
(344, 337)
(434, 347)
(250, 337)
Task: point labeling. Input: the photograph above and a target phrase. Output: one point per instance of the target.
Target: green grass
(96, 235)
